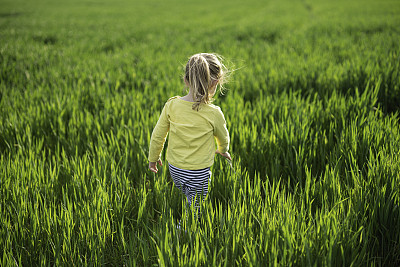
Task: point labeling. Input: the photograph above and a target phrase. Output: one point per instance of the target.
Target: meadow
(312, 108)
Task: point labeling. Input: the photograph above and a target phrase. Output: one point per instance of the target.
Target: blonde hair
(202, 71)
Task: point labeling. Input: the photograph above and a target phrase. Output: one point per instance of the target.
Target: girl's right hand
(225, 155)
(153, 166)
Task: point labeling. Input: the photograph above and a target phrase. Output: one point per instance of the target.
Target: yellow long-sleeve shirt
(191, 144)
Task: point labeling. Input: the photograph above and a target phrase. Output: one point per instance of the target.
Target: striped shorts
(193, 183)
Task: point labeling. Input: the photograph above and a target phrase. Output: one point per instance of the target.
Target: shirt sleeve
(159, 135)
(221, 132)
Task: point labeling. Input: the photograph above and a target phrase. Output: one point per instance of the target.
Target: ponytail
(202, 70)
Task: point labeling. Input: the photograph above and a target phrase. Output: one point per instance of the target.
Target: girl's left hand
(225, 155)
(153, 166)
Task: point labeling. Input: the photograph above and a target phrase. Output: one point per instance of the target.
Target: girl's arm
(157, 140)
(221, 134)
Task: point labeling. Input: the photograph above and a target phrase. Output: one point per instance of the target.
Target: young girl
(192, 122)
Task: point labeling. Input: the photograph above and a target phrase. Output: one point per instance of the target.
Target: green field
(312, 109)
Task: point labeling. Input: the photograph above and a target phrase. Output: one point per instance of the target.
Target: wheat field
(312, 108)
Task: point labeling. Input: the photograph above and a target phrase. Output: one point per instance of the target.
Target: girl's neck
(188, 97)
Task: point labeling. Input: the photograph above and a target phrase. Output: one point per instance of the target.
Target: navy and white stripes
(193, 183)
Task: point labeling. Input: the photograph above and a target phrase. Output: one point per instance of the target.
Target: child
(192, 122)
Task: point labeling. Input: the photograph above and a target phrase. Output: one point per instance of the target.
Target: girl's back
(191, 142)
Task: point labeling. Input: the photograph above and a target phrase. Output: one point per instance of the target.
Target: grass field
(312, 110)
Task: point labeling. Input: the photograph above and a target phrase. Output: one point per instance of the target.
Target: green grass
(312, 110)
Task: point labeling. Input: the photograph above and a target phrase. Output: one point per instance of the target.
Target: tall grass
(312, 112)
